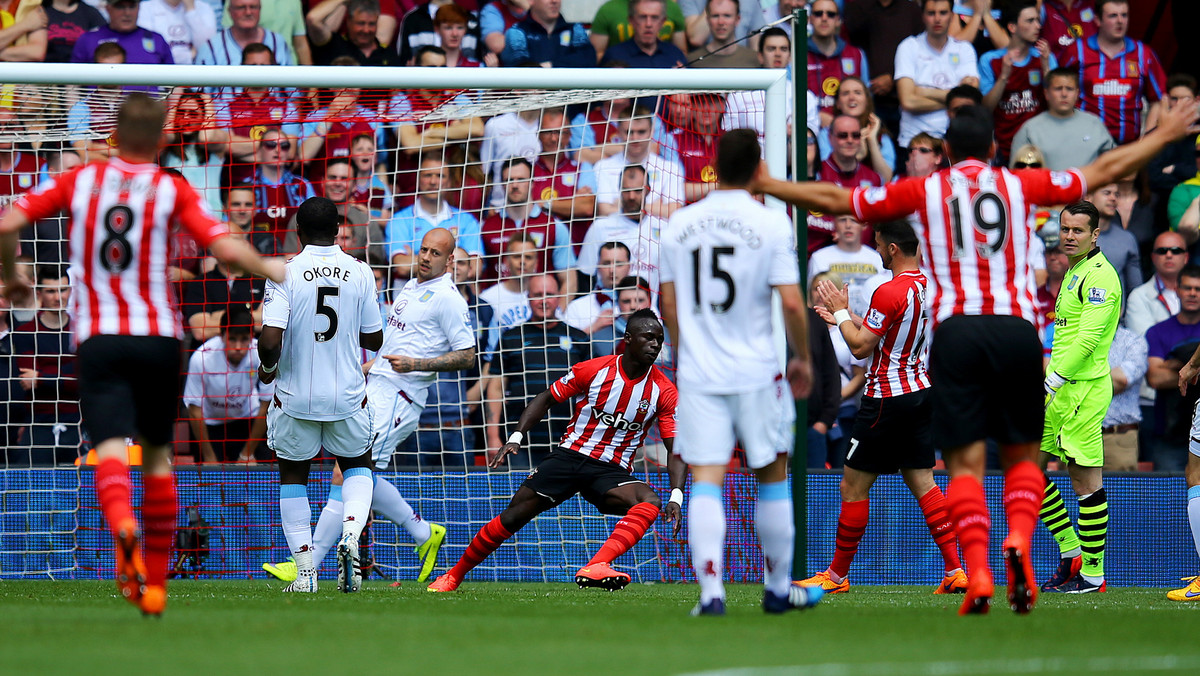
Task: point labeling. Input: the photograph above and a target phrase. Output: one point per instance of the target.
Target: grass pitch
(249, 627)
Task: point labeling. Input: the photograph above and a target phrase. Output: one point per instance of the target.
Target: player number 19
(988, 213)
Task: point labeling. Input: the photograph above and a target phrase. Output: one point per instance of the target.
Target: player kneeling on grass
(619, 398)
(892, 430)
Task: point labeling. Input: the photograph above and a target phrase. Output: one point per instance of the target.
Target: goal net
(556, 182)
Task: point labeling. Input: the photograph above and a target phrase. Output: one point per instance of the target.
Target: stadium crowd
(581, 192)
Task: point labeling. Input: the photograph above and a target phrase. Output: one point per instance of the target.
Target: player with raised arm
(428, 330)
(985, 359)
(123, 212)
(616, 400)
(722, 260)
(892, 430)
(315, 323)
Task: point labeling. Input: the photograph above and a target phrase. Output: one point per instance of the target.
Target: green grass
(249, 627)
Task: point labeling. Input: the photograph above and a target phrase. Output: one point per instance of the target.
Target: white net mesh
(397, 161)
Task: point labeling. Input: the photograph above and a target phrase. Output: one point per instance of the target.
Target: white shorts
(708, 425)
(296, 439)
(395, 413)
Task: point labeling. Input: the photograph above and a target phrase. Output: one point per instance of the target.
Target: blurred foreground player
(127, 327)
(985, 357)
(315, 323)
(892, 430)
(617, 399)
(722, 260)
(428, 330)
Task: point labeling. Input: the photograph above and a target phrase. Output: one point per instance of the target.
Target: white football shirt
(427, 320)
(326, 301)
(724, 255)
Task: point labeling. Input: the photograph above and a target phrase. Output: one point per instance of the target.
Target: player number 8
(115, 251)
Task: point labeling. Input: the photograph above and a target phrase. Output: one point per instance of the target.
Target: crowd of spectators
(557, 210)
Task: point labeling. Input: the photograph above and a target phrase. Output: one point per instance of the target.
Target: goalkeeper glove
(1052, 385)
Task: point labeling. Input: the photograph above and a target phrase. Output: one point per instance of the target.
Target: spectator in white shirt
(664, 177)
(185, 26)
(594, 311)
(927, 67)
(849, 259)
(632, 226)
(504, 136)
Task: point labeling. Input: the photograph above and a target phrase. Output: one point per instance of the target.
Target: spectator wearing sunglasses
(278, 193)
(844, 169)
(1158, 298)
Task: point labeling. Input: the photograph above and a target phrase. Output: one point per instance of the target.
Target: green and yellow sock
(1054, 515)
(1093, 527)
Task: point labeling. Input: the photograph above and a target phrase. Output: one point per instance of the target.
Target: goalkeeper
(1078, 393)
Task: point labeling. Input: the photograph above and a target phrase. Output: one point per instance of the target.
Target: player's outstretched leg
(326, 534)
(706, 539)
(1192, 591)
(941, 528)
(159, 509)
(428, 536)
(113, 491)
(356, 489)
(968, 510)
(487, 540)
(1024, 488)
(1058, 522)
(629, 530)
(295, 516)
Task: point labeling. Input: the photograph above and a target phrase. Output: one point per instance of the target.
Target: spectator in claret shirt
(842, 168)
(544, 37)
(140, 45)
(45, 375)
(278, 192)
(830, 59)
(245, 112)
(559, 182)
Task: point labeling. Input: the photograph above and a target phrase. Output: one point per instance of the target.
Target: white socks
(776, 534)
(296, 517)
(1193, 509)
(706, 539)
(357, 486)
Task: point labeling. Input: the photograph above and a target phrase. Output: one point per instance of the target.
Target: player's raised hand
(505, 451)
(1179, 121)
(800, 377)
(831, 297)
(1187, 376)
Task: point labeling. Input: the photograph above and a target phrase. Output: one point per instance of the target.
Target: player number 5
(324, 292)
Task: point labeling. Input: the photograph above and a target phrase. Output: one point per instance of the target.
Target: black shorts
(565, 473)
(892, 433)
(987, 381)
(129, 387)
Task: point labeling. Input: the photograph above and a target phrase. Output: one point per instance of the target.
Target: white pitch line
(1035, 665)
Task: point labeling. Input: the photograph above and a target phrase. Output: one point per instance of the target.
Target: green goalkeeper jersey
(1085, 319)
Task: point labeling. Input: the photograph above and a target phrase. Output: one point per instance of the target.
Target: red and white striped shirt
(975, 233)
(613, 413)
(122, 218)
(898, 314)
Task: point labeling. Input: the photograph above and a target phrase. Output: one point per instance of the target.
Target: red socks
(937, 517)
(159, 514)
(969, 513)
(627, 532)
(113, 491)
(1024, 489)
(852, 523)
(491, 536)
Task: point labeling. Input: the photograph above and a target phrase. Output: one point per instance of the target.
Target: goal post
(52, 524)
